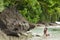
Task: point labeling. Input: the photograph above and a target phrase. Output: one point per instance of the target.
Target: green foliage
(1, 5)
(49, 10)
(35, 10)
(32, 11)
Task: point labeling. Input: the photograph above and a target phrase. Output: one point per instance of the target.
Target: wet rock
(52, 24)
(38, 35)
(31, 26)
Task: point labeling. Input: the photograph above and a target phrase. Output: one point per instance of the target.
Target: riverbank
(48, 25)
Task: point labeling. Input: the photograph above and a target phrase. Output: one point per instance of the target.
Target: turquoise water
(54, 34)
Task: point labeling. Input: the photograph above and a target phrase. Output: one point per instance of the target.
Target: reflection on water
(54, 34)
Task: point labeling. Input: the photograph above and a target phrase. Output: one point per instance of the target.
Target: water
(54, 34)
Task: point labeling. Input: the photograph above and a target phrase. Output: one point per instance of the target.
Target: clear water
(54, 34)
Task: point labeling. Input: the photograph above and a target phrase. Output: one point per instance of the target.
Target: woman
(46, 32)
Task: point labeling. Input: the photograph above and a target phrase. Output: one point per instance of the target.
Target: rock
(31, 26)
(3, 36)
(38, 35)
(52, 24)
(12, 22)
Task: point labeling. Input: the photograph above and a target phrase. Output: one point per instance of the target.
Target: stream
(54, 33)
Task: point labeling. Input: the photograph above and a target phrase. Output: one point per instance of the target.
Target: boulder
(12, 22)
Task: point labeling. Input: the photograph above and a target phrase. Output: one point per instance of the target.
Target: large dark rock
(11, 21)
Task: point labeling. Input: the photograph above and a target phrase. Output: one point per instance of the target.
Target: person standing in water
(46, 31)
